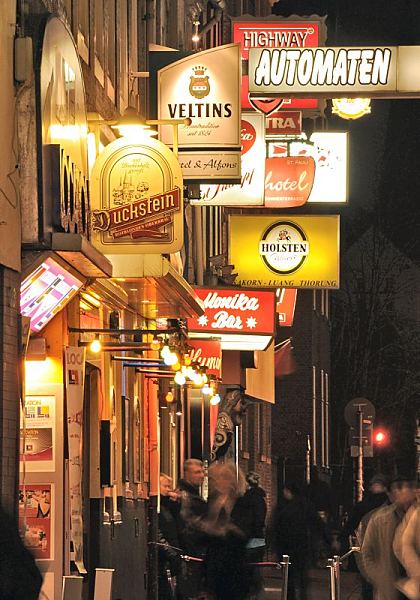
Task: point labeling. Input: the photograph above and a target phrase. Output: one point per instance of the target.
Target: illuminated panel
(45, 292)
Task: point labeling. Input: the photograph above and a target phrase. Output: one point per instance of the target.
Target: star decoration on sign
(203, 320)
(251, 322)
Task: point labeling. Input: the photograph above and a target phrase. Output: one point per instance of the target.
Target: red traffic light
(380, 437)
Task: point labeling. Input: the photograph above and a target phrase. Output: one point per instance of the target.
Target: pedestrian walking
(168, 555)
(407, 550)
(227, 574)
(193, 509)
(20, 578)
(294, 522)
(379, 561)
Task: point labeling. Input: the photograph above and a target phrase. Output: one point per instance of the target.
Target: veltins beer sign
(294, 251)
(204, 87)
(137, 199)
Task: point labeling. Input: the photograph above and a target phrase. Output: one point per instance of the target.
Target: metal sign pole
(360, 458)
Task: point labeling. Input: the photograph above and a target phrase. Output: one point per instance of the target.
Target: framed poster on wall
(37, 433)
(36, 520)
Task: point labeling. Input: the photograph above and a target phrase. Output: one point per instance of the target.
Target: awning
(260, 381)
(79, 252)
(155, 289)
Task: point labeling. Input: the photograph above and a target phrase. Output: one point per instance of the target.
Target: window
(83, 29)
(110, 31)
(123, 54)
(99, 41)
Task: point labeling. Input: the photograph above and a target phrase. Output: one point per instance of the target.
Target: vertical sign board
(276, 33)
(285, 251)
(251, 189)
(75, 385)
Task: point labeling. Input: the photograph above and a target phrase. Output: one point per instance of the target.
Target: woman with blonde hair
(227, 574)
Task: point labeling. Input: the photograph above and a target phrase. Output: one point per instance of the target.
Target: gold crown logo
(199, 70)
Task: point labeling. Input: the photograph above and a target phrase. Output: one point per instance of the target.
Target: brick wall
(9, 387)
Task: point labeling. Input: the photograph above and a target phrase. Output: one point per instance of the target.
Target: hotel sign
(137, 199)
(389, 72)
(291, 251)
(204, 87)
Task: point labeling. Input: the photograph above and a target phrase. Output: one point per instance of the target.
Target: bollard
(103, 584)
(334, 567)
(285, 573)
(72, 587)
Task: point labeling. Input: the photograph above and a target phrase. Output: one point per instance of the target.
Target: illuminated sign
(208, 354)
(285, 307)
(206, 165)
(288, 181)
(335, 72)
(45, 292)
(285, 122)
(137, 199)
(272, 33)
(251, 189)
(330, 153)
(205, 88)
(242, 319)
(294, 251)
(351, 108)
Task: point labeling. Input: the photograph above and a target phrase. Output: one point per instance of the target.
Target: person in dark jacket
(20, 578)
(192, 541)
(294, 521)
(169, 554)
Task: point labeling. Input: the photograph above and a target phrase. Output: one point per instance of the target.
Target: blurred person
(375, 497)
(168, 555)
(20, 578)
(379, 561)
(294, 522)
(407, 550)
(227, 574)
(193, 508)
(319, 494)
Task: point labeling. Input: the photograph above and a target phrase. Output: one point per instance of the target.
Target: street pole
(360, 457)
(308, 460)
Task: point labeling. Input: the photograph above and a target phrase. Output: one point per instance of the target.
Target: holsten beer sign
(137, 199)
(291, 251)
(251, 189)
(389, 72)
(242, 319)
(204, 87)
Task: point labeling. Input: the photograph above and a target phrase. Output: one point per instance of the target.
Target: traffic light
(380, 437)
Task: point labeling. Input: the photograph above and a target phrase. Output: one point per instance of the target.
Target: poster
(35, 518)
(37, 437)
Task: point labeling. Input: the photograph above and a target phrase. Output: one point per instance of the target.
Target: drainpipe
(219, 6)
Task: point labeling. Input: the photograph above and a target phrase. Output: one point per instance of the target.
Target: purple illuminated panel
(45, 292)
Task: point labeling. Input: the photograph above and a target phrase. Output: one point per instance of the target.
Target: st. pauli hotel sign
(242, 319)
(374, 72)
(285, 251)
(137, 199)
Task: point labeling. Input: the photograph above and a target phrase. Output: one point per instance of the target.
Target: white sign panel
(333, 72)
(204, 87)
(330, 152)
(250, 192)
(203, 165)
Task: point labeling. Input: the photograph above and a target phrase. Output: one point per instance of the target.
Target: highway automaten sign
(285, 251)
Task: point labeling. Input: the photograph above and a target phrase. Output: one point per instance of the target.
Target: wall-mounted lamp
(96, 345)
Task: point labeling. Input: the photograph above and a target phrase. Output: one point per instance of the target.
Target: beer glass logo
(199, 83)
(284, 247)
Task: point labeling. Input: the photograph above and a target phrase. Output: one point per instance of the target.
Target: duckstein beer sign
(389, 72)
(294, 251)
(137, 199)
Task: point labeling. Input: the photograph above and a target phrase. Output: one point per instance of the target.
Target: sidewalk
(318, 586)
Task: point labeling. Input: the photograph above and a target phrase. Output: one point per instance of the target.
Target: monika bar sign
(389, 72)
(234, 311)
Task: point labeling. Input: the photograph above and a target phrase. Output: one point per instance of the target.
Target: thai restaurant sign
(207, 353)
(276, 33)
(137, 199)
(328, 183)
(285, 251)
(373, 72)
(283, 122)
(285, 306)
(243, 319)
(204, 87)
(251, 189)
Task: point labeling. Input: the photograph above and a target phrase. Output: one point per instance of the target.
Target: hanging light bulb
(187, 360)
(165, 351)
(170, 359)
(180, 378)
(206, 389)
(204, 377)
(95, 345)
(169, 397)
(197, 379)
(156, 343)
(214, 400)
(176, 366)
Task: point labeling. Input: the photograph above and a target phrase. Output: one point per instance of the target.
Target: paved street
(319, 586)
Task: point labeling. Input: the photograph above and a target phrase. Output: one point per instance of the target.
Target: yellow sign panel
(137, 199)
(285, 251)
